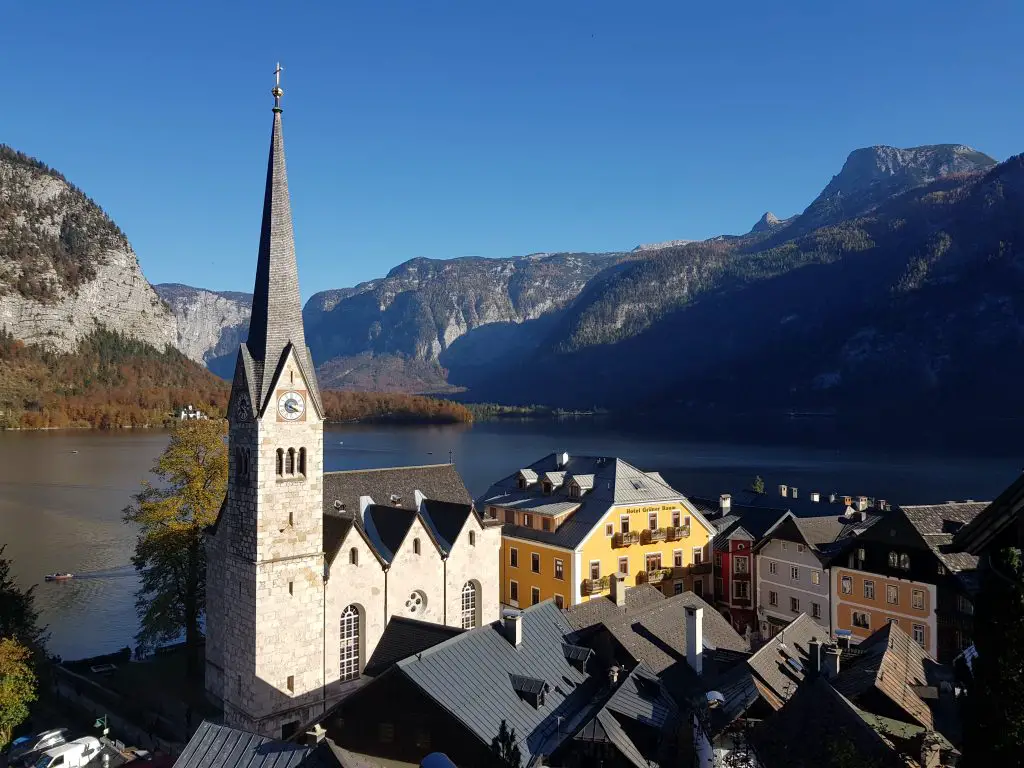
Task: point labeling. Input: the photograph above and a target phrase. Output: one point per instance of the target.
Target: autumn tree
(758, 485)
(17, 686)
(169, 553)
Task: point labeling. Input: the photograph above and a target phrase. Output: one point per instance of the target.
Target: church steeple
(276, 319)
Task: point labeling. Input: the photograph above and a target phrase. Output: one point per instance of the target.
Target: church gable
(291, 377)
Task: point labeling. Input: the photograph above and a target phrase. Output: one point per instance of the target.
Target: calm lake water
(61, 493)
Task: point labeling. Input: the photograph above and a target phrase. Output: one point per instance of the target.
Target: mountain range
(897, 288)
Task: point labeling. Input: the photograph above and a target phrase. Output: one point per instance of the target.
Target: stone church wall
(478, 563)
(411, 573)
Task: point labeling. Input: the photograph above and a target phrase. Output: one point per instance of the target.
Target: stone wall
(411, 573)
(479, 563)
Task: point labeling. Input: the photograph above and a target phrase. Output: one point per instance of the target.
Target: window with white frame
(740, 564)
(773, 598)
(919, 634)
(677, 558)
(595, 570)
(861, 620)
(847, 585)
(559, 570)
(698, 555)
(794, 573)
(917, 599)
(815, 577)
(892, 594)
(350, 643)
(869, 589)
(513, 557)
(815, 611)
(794, 604)
(773, 567)
(741, 590)
(652, 520)
(469, 600)
(624, 566)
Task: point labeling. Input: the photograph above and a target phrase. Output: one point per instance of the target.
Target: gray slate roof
(446, 520)
(818, 727)
(218, 746)
(938, 524)
(603, 609)
(440, 482)
(386, 528)
(770, 664)
(993, 521)
(469, 676)
(614, 482)
(405, 637)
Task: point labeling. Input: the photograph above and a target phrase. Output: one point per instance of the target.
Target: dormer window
(522, 483)
(547, 486)
(574, 491)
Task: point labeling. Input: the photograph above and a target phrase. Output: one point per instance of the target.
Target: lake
(61, 493)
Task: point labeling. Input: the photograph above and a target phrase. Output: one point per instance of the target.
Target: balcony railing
(699, 569)
(648, 535)
(626, 539)
(677, 532)
(593, 586)
(654, 576)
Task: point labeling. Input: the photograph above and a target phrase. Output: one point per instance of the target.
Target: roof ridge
(387, 469)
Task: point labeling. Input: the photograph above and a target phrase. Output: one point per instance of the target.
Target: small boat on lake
(59, 576)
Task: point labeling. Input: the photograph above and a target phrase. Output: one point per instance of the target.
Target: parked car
(27, 748)
(74, 754)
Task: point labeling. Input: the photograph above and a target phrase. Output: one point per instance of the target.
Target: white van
(74, 754)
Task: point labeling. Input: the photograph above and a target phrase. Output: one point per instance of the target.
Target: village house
(901, 569)
(571, 522)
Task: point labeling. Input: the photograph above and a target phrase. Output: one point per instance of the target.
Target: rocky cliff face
(65, 267)
(426, 310)
(871, 175)
(210, 324)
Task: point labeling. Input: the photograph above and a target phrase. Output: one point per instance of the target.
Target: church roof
(446, 520)
(440, 482)
(218, 746)
(404, 637)
(276, 321)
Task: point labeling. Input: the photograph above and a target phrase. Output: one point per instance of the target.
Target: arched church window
(353, 556)
(280, 461)
(291, 461)
(302, 461)
(350, 643)
(416, 546)
(469, 601)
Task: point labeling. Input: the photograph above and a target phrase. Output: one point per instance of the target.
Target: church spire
(276, 317)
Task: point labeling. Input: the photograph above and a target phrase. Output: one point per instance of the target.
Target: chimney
(882, 503)
(725, 503)
(695, 638)
(561, 459)
(419, 498)
(364, 502)
(847, 500)
(814, 652)
(862, 503)
(931, 750)
(783, 491)
(618, 589)
(831, 498)
(815, 497)
(315, 735)
(794, 492)
(613, 675)
(832, 662)
(513, 625)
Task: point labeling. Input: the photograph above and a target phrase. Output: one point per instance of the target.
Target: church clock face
(291, 406)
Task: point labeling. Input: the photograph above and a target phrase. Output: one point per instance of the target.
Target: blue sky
(443, 129)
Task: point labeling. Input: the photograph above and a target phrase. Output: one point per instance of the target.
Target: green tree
(18, 616)
(994, 708)
(505, 748)
(758, 485)
(17, 686)
(169, 553)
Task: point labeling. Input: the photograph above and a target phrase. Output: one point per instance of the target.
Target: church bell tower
(267, 566)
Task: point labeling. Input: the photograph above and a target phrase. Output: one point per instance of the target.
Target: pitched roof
(446, 520)
(991, 522)
(404, 637)
(276, 320)
(336, 528)
(938, 523)
(755, 519)
(612, 481)
(773, 662)
(386, 527)
(218, 746)
(818, 727)
(600, 609)
(469, 677)
(440, 482)
(892, 663)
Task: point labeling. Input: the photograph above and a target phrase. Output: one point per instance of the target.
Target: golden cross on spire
(277, 92)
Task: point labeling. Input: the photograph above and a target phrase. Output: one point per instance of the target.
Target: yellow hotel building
(571, 522)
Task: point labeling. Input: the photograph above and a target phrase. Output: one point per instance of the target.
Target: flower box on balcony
(625, 539)
(678, 532)
(591, 586)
